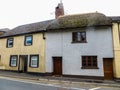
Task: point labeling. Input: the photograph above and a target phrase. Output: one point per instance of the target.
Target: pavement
(64, 81)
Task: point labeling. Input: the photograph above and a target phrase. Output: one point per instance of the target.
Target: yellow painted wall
(116, 43)
(38, 47)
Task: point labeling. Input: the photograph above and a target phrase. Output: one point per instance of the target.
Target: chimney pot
(59, 10)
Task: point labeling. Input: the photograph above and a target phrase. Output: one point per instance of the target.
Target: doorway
(108, 68)
(0, 59)
(57, 66)
(23, 63)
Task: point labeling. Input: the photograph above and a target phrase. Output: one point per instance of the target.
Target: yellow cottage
(116, 44)
(22, 49)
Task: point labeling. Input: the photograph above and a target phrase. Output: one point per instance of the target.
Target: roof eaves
(115, 18)
(68, 28)
(20, 34)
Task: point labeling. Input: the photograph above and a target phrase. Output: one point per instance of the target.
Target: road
(18, 84)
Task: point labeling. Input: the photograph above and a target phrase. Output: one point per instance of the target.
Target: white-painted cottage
(80, 45)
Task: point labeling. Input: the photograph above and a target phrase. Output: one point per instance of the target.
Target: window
(89, 62)
(13, 60)
(79, 37)
(34, 61)
(28, 40)
(10, 42)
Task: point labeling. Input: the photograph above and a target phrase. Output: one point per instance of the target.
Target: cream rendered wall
(116, 43)
(38, 47)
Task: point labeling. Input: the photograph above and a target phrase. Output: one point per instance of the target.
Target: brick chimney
(59, 10)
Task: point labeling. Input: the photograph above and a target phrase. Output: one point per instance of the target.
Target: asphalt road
(17, 84)
(12, 84)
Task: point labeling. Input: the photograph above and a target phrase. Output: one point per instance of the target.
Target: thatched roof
(115, 18)
(80, 20)
(28, 28)
(64, 22)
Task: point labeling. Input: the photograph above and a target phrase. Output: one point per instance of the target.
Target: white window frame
(27, 38)
(34, 59)
(14, 59)
(9, 40)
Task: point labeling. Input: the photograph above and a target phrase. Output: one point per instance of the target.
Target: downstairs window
(89, 62)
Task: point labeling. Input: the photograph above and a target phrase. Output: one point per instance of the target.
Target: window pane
(94, 58)
(94, 64)
(94, 61)
(79, 36)
(10, 43)
(89, 61)
(28, 40)
(34, 58)
(74, 36)
(14, 58)
(84, 61)
(83, 58)
(13, 61)
(34, 61)
(83, 36)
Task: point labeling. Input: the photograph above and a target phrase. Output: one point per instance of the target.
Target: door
(108, 68)
(57, 66)
(23, 61)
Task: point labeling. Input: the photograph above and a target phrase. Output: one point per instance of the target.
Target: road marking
(94, 88)
(30, 81)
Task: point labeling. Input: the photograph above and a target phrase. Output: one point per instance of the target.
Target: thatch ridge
(80, 20)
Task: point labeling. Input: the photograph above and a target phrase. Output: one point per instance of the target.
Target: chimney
(59, 10)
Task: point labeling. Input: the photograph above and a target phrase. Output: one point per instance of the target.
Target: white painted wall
(99, 43)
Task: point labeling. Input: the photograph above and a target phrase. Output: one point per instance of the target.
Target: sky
(19, 12)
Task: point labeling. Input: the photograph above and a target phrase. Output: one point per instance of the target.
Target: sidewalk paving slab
(67, 81)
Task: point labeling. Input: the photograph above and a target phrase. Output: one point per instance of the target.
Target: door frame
(23, 56)
(112, 75)
(61, 70)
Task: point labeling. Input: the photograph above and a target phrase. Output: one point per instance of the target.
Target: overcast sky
(18, 12)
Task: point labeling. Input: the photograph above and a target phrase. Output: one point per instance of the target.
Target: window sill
(9, 47)
(34, 67)
(79, 42)
(13, 66)
(89, 68)
(28, 45)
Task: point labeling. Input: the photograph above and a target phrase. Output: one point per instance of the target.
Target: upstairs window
(9, 42)
(13, 60)
(89, 62)
(28, 40)
(79, 37)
